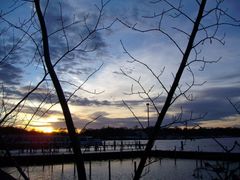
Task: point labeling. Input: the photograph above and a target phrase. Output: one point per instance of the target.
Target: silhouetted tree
(35, 31)
(201, 33)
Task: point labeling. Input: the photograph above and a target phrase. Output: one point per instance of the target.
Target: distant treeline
(126, 133)
(170, 133)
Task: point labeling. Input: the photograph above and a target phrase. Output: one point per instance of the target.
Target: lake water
(205, 145)
(159, 169)
(164, 169)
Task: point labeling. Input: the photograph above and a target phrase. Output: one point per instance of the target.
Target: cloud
(221, 92)
(229, 77)
(231, 121)
(151, 48)
(79, 21)
(40, 94)
(42, 113)
(112, 122)
(99, 114)
(213, 102)
(78, 101)
(10, 74)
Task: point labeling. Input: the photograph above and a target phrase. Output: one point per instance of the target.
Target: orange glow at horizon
(50, 129)
(45, 129)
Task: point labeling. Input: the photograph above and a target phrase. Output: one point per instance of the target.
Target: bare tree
(66, 111)
(2, 142)
(224, 169)
(219, 169)
(34, 30)
(200, 34)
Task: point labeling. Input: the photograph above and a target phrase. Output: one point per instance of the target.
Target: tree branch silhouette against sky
(21, 69)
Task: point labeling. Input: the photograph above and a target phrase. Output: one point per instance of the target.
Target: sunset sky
(103, 94)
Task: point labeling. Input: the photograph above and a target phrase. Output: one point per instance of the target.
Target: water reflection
(158, 169)
(122, 170)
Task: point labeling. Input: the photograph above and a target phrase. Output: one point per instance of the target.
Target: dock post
(121, 146)
(109, 169)
(114, 145)
(62, 165)
(74, 170)
(104, 146)
(239, 168)
(175, 159)
(62, 168)
(28, 171)
(90, 170)
(135, 167)
(52, 168)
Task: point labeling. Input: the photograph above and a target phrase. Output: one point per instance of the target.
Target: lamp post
(147, 113)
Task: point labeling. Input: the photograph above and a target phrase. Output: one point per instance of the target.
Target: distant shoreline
(110, 133)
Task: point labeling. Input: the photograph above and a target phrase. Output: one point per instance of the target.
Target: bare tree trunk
(167, 104)
(66, 112)
(6, 176)
(8, 154)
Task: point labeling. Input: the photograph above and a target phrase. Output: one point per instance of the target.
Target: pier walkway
(56, 158)
(106, 150)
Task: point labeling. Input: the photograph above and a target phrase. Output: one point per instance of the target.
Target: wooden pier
(27, 160)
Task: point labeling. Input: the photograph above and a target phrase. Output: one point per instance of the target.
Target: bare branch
(236, 106)
(90, 122)
(147, 67)
(134, 115)
(151, 30)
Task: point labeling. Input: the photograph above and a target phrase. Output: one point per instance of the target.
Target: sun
(47, 129)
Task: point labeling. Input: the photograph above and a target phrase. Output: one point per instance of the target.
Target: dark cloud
(40, 94)
(13, 44)
(213, 101)
(53, 14)
(97, 43)
(135, 103)
(119, 122)
(221, 92)
(75, 33)
(10, 54)
(49, 96)
(99, 114)
(42, 112)
(70, 68)
(10, 74)
(77, 101)
(230, 77)
(103, 121)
